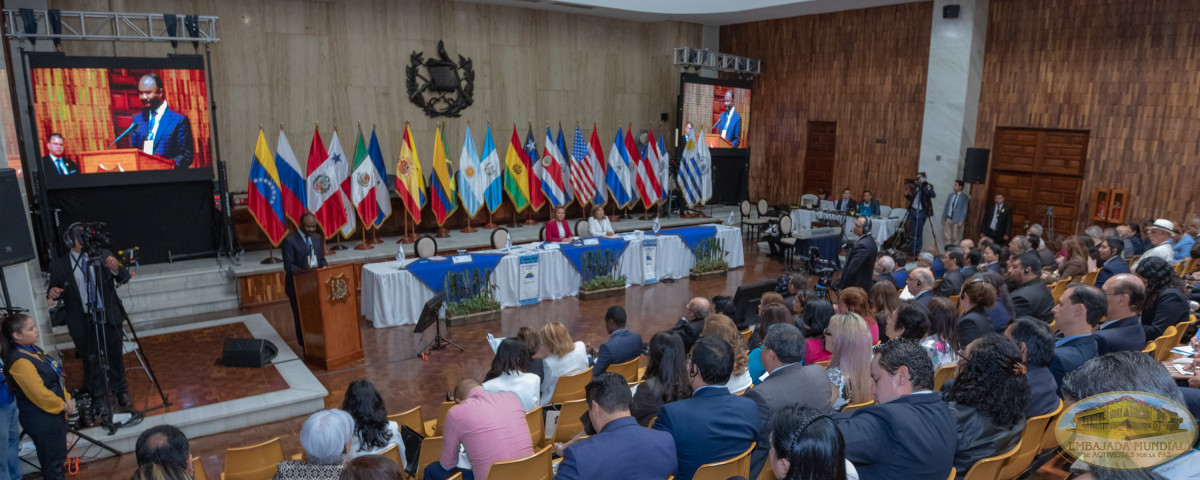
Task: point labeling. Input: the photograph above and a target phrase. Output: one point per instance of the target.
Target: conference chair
(823, 363)
(953, 472)
(787, 243)
(746, 335)
(198, 469)
(629, 370)
(1150, 348)
(943, 374)
(255, 462)
(1090, 278)
(653, 419)
(499, 237)
(989, 468)
(537, 426)
(1035, 428)
(768, 473)
(885, 211)
(897, 213)
(581, 229)
(1059, 287)
(954, 300)
(734, 467)
(542, 234)
(426, 246)
(809, 200)
(571, 387)
(1049, 439)
(435, 426)
(856, 406)
(431, 451)
(1180, 266)
(569, 424)
(412, 418)
(533, 467)
(744, 208)
(392, 452)
(1165, 343)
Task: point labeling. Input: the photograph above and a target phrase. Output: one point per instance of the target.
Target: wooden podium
(715, 140)
(122, 159)
(328, 308)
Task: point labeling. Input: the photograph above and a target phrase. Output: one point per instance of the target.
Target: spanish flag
(410, 183)
(516, 179)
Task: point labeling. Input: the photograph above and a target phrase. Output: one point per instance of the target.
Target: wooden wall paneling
(1040, 168)
(820, 157)
(261, 289)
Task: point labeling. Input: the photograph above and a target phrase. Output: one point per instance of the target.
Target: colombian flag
(266, 197)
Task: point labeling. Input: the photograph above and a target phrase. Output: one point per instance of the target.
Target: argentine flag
(472, 183)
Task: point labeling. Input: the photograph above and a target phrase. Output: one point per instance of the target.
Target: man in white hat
(1160, 238)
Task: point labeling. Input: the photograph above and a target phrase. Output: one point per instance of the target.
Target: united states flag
(582, 180)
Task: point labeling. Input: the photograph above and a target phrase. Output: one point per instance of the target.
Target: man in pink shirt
(491, 426)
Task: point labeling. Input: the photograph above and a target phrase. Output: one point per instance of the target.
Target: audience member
(1076, 262)
(855, 300)
(723, 304)
(850, 366)
(688, 328)
(900, 275)
(997, 221)
(702, 435)
(941, 342)
(774, 314)
(533, 343)
(971, 259)
(1030, 297)
(886, 299)
(371, 467)
(920, 439)
(622, 345)
(565, 357)
(1165, 304)
(935, 265)
(41, 398)
(869, 206)
(860, 262)
(977, 297)
(621, 448)
(966, 244)
(1018, 246)
(806, 445)
(326, 437)
(1111, 262)
(1159, 234)
(797, 303)
(1038, 245)
(373, 432)
(795, 285)
(507, 374)
(1079, 311)
(1123, 329)
(164, 445)
(491, 427)
(767, 299)
(989, 397)
(1003, 310)
(1181, 244)
(884, 267)
(1095, 234)
(954, 214)
(1036, 344)
(789, 383)
(910, 321)
(920, 285)
(846, 203)
(158, 471)
(1133, 242)
(665, 380)
(953, 280)
(722, 327)
(995, 258)
(816, 320)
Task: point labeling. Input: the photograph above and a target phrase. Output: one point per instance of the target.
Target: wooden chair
(1178, 336)
(1181, 266)
(255, 462)
(431, 451)
(942, 374)
(1134, 259)
(1164, 344)
(954, 300)
(1049, 439)
(198, 469)
(412, 418)
(989, 468)
(856, 406)
(1035, 428)
(537, 426)
(533, 467)
(953, 472)
(1151, 348)
(823, 363)
(629, 370)
(1090, 278)
(746, 335)
(568, 420)
(1059, 288)
(571, 387)
(768, 473)
(434, 427)
(736, 466)
(393, 453)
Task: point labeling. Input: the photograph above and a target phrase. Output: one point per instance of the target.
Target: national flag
(493, 173)
(442, 192)
(266, 197)
(531, 158)
(695, 174)
(472, 182)
(516, 178)
(582, 181)
(364, 179)
(410, 183)
(292, 179)
(565, 164)
(647, 181)
(618, 178)
(341, 168)
(705, 171)
(595, 158)
(550, 172)
(324, 193)
(383, 195)
(662, 167)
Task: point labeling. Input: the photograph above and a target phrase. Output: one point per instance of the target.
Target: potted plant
(601, 278)
(469, 297)
(710, 260)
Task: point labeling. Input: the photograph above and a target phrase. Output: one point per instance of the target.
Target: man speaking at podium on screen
(730, 124)
(160, 130)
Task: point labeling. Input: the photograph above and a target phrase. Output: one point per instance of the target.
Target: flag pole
(489, 225)
(529, 220)
(403, 227)
(469, 228)
(375, 231)
(375, 236)
(411, 236)
(366, 244)
(271, 259)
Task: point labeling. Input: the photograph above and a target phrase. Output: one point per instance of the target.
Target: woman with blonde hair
(849, 369)
(722, 327)
(885, 299)
(855, 300)
(565, 357)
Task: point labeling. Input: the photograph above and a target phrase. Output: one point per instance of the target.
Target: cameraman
(68, 283)
(920, 196)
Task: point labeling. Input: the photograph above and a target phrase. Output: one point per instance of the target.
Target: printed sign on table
(527, 287)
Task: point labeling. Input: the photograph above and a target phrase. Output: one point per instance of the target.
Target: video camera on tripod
(94, 239)
(822, 268)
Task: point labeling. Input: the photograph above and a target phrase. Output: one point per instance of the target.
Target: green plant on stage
(710, 256)
(602, 282)
(481, 302)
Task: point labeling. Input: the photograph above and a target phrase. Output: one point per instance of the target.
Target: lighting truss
(696, 59)
(108, 26)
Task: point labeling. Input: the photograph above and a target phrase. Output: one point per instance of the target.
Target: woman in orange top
(42, 400)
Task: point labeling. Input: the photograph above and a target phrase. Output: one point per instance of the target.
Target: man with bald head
(160, 130)
(490, 426)
(730, 124)
(164, 445)
(1123, 328)
(689, 326)
(920, 285)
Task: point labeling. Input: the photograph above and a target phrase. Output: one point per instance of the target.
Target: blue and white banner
(527, 287)
(649, 255)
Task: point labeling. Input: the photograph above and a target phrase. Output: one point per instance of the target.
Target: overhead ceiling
(706, 12)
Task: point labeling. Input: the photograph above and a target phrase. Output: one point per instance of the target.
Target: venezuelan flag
(266, 198)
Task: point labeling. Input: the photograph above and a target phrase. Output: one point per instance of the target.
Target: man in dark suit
(54, 163)
(302, 249)
(920, 197)
(1036, 342)
(869, 206)
(1111, 262)
(730, 123)
(910, 431)
(790, 382)
(971, 259)
(860, 264)
(920, 285)
(997, 221)
(160, 130)
(69, 276)
(1078, 313)
(713, 425)
(622, 345)
(1123, 330)
(846, 204)
(1030, 297)
(953, 280)
(622, 448)
(688, 328)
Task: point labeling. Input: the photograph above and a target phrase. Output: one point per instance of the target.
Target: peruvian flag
(324, 188)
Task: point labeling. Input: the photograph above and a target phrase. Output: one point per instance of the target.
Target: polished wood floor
(404, 380)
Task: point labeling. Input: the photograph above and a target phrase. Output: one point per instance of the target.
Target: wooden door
(1039, 168)
(819, 157)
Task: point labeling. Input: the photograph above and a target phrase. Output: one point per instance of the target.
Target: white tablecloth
(881, 228)
(392, 296)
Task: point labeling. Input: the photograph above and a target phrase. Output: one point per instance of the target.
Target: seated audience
(665, 380)
(1019, 245)
(910, 431)
(920, 285)
(789, 383)
(1031, 297)
(1038, 245)
(1079, 311)
(971, 257)
(1111, 262)
(722, 327)
(373, 432)
(995, 257)
(564, 357)
(598, 224)
(850, 366)
(490, 426)
(869, 206)
(370, 467)
(533, 343)
(1165, 304)
(884, 267)
(806, 445)
(1003, 310)
(900, 275)
(158, 471)
(326, 437)
(989, 397)
(622, 345)
(772, 315)
(952, 280)
(885, 299)
(507, 374)
(941, 342)
(1181, 244)
(977, 297)
(164, 445)
(688, 328)
(816, 319)
(723, 304)
(1122, 329)
(621, 448)
(1036, 344)
(1133, 243)
(701, 436)
(767, 299)
(1159, 246)
(797, 303)
(855, 300)
(910, 321)
(1075, 264)
(557, 229)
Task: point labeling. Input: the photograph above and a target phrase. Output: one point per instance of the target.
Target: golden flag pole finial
(281, 125)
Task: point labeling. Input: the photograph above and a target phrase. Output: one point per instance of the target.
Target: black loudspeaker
(15, 245)
(977, 165)
(950, 11)
(248, 352)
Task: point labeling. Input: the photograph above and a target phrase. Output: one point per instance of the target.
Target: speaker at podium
(328, 303)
